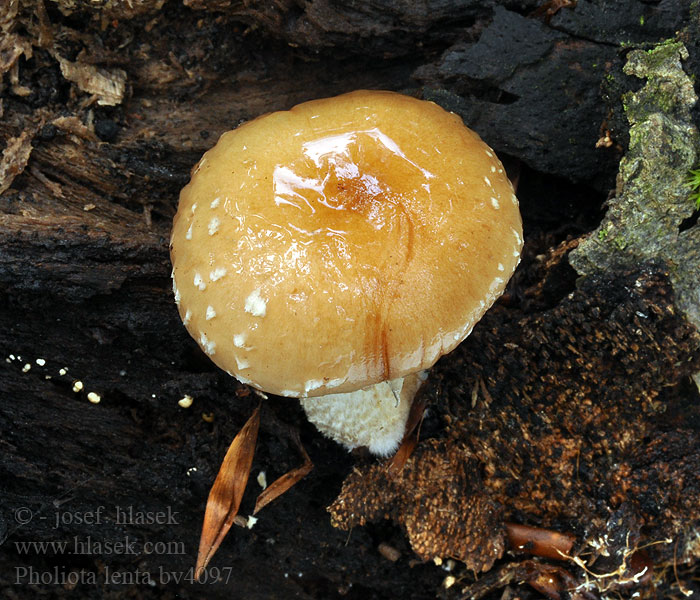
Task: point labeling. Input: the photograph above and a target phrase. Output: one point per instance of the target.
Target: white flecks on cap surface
(241, 378)
(255, 305)
(199, 282)
(312, 384)
(188, 235)
(239, 340)
(200, 164)
(517, 236)
(215, 202)
(176, 292)
(501, 267)
(211, 313)
(194, 207)
(496, 283)
(488, 181)
(207, 344)
(214, 225)
(242, 363)
(333, 383)
(187, 317)
(458, 335)
(494, 202)
(493, 169)
(217, 274)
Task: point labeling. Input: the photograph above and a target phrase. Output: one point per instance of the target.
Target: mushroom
(335, 251)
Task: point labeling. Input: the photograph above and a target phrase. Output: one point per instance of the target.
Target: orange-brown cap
(347, 241)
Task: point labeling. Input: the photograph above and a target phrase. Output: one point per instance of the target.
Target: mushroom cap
(345, 242)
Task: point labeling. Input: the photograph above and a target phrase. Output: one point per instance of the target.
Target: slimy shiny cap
(345, 242)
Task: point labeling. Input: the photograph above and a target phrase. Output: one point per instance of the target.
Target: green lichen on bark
(652, 199)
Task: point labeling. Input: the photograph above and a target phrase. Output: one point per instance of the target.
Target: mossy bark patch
(652, 201)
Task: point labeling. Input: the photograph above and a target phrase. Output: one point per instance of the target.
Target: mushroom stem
(374, 416)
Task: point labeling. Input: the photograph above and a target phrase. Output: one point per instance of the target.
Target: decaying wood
(570, 407)
(282, 484)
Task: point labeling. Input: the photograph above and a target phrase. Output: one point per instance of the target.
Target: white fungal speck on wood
(185, 401)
